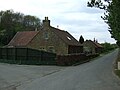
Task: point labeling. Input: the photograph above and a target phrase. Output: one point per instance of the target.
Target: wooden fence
(26, 56)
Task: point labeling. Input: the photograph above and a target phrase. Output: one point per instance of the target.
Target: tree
(111, 16)
(31, 23)
(12, 22)
(81, 40)
(108, 47)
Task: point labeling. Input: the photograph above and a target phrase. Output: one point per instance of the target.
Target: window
(51, 49)
(46, 35)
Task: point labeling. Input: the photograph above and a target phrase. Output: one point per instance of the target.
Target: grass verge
(117, 72)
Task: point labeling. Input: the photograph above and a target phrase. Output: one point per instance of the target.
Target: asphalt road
(94, 75)
(12, 76)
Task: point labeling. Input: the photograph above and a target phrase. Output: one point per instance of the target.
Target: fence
(26, 56)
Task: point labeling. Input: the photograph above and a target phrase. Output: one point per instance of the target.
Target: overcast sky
(71, 15)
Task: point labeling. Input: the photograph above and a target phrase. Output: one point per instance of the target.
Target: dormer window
(68, 38)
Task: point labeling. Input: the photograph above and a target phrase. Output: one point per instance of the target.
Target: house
(92, 47)
(49, 39)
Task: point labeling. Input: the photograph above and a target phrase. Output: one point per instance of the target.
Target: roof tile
(22, 38)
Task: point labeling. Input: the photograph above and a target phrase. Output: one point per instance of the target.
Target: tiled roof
(66, 37)
(97, 45)
(22, 38)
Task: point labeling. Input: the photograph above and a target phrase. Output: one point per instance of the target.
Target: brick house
(49, 39)
(92, 47)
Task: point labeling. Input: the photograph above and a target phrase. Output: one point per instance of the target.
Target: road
(95, 75)
(12, 76)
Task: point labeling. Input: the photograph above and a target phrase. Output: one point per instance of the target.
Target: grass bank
(117, 72)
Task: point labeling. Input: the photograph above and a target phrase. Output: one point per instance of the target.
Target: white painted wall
(118, 65)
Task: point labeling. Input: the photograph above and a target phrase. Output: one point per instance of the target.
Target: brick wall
(72, 59)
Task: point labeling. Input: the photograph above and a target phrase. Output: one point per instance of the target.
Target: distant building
(92, 47)
(49, 39)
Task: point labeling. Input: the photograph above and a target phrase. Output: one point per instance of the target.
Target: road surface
(12, 76)
(94, 75)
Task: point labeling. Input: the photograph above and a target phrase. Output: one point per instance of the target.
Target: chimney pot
(46, 22)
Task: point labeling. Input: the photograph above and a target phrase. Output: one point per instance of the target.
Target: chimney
(46, 22)
(94, 40)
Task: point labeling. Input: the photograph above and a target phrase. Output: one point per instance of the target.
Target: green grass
(117, 72)
(106, 52)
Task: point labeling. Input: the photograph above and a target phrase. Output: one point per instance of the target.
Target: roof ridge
(96, 44)
(58, 29)
(33, 37)
(28, 31)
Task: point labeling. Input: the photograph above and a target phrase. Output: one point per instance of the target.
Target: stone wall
(48, 41)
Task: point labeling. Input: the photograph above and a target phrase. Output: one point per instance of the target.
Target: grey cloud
(87, 10)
